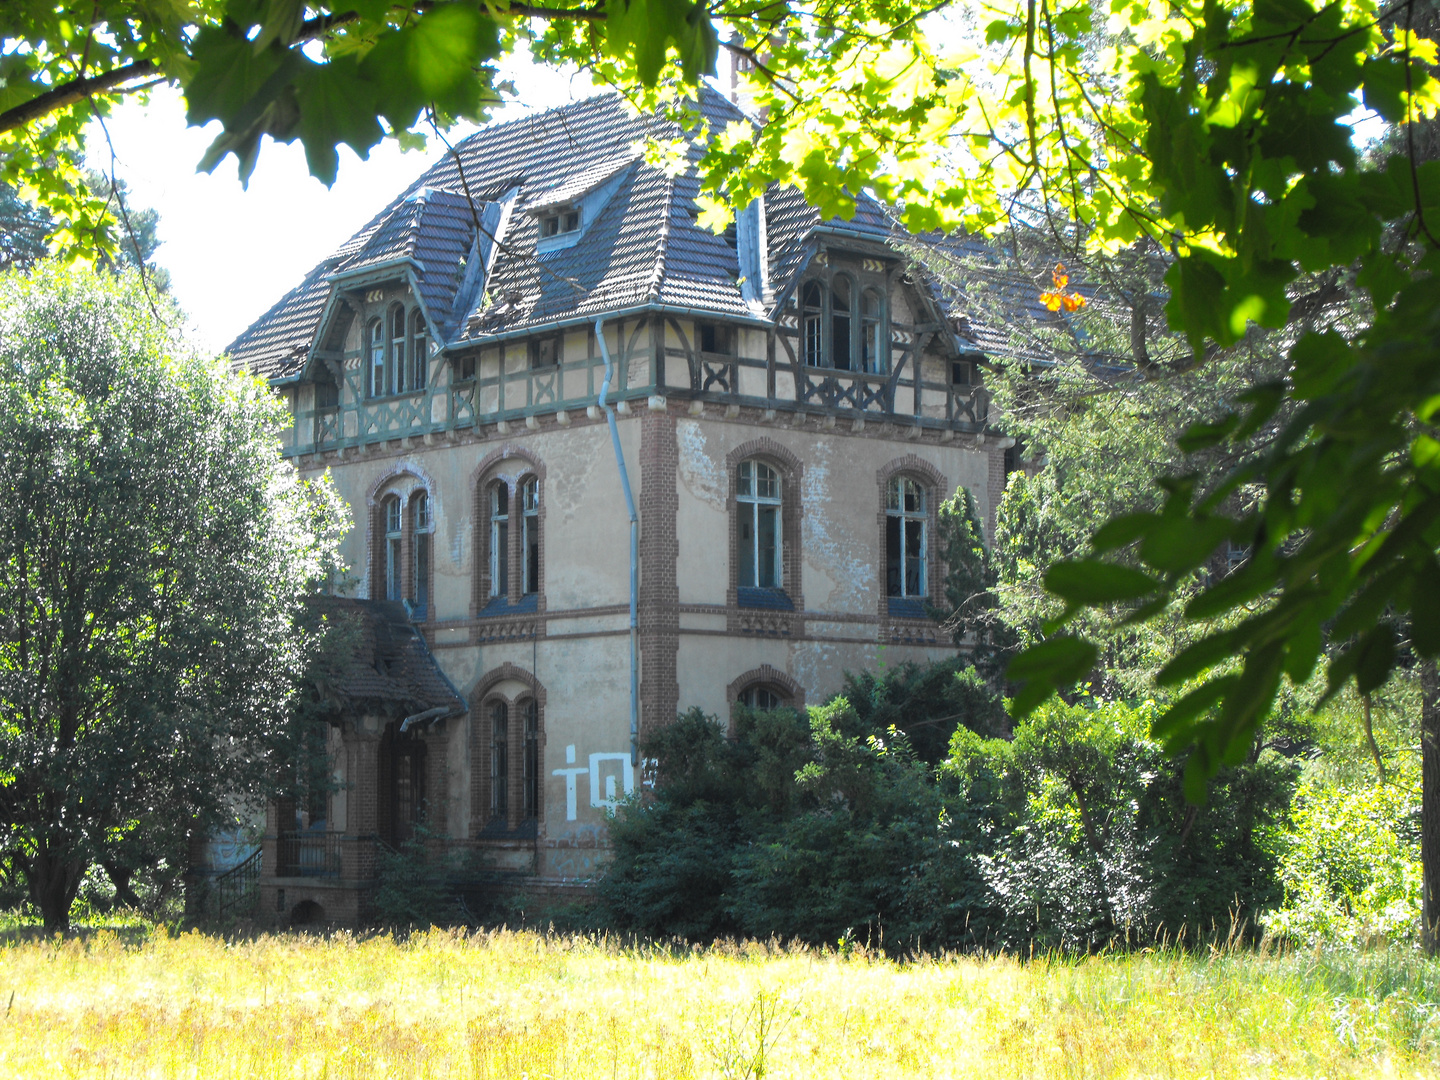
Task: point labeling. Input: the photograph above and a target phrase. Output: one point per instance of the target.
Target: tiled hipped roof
(643, 246)
(387, 668)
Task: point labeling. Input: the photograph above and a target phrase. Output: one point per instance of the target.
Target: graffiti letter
(570, 775)
(628, 775)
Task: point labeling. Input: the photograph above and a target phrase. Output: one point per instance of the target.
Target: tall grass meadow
(522, 1004)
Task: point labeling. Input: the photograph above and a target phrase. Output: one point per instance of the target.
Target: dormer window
(567, 221)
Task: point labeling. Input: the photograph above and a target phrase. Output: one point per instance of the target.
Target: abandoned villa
(586, 440)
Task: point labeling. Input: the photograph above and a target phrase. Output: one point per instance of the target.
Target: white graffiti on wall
(615, 780)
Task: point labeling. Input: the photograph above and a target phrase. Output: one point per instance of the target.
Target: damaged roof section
(379, 663)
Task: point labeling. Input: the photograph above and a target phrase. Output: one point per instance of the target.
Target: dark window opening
(499, 761)
(531, 770)
(905, 553)
(840, 324)
(763, 698)
(530, 534)
(567, 221)
(546, 352)
(717, 338)
(813, 314)
(500, 540)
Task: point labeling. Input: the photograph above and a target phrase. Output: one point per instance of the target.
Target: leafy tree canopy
(154, 547)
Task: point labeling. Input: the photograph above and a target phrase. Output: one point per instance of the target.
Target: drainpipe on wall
(634, 547)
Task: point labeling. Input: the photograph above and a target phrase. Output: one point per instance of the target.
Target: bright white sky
(233, 252)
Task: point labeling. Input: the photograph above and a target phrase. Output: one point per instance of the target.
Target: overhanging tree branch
(76, 91)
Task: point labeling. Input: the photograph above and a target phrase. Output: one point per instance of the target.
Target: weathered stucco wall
(572, 654)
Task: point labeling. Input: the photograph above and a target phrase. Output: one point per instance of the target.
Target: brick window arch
(402, 529)
(510, 531)
(507, 756)
(761, 686)
(909, 568)
(764, 511)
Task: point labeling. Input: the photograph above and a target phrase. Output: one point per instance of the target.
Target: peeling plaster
(700, 472)
(825, 540)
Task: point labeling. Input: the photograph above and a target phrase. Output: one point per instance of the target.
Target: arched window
(757, 496)
(394, 539)
(377, 359)
(905, 540)
(499, 761)
(763, 698)
(424, 528)
(812, 323)
(500, 539)
(530, 534)
(419, 352)
(840, 324)
(397, 348)
(530, 775)
(873, 355)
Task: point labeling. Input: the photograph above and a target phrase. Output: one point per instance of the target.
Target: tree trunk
(54, 880)
(1430, 808)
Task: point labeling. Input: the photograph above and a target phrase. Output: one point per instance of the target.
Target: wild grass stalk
(507, 1004)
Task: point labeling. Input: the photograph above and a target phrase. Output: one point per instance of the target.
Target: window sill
(908, 607)
(501, 606)
(767, 599)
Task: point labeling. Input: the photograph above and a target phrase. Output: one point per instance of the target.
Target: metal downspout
(634, 547)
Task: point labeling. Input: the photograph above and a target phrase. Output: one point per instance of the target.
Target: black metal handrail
(302, 854)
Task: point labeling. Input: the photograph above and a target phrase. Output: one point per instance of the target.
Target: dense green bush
(1351, 871)
(1072, 833)
(1092, 838)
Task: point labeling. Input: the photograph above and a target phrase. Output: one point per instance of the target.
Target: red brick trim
(659, 599)
(486, 474)
(481, 699)
(996, 490)
(770, 676)
(780, 624)
(912, 631)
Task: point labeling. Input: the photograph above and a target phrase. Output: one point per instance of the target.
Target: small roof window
(557, 224)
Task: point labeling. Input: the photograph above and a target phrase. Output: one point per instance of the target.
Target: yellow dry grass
(519, 1004)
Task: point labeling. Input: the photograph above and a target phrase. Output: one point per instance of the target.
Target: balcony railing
(308, 855)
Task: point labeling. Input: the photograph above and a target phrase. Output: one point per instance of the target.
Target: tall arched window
(873, 358)
(531, 773)
(499, 761)
(530, 534)
(757, 496)
(812, 323)
(394, 538)
(500, 539)
(840, 324)
(397, 350)
(419, 352)
(377, 359)
(905, 540)
(424, 529)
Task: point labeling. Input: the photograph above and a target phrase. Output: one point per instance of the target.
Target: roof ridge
(662, 241)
